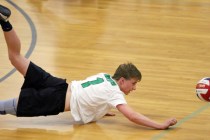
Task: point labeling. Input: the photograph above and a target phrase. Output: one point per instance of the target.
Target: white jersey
(93, 97)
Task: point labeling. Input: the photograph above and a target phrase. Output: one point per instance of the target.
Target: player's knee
(13, 58)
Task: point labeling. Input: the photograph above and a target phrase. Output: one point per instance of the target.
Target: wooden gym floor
(168, 40)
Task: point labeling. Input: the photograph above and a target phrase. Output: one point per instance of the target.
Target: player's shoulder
(103, 74)
(106, 75)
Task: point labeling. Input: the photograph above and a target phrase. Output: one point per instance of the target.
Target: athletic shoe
(4, 13)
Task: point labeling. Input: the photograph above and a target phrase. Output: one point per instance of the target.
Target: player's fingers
(173, 121)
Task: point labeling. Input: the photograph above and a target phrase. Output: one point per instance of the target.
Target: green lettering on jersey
(94, 82)
(109, 79)
(98, 81)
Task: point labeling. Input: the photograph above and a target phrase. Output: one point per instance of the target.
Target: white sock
(8, 107)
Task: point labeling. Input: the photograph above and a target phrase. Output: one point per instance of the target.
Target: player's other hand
(109, 114)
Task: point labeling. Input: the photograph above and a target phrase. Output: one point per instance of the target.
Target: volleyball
(203, 89)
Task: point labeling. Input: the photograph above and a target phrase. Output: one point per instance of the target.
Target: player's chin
(128, 92)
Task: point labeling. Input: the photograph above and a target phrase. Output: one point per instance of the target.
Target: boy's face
(127, 86)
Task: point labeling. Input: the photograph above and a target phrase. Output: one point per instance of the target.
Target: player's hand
(168, 123)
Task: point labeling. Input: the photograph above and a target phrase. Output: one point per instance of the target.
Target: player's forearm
(145, 121)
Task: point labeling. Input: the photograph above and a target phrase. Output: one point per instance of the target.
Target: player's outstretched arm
(143, 120)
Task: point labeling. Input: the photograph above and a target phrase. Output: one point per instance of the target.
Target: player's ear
(121, 80)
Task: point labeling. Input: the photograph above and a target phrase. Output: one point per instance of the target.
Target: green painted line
(187, 118)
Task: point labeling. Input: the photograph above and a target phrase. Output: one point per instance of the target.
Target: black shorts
(41, 93)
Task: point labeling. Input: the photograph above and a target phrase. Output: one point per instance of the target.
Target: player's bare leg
(13, 42)
(14, 46)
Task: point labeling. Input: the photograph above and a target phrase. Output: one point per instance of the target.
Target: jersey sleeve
(117, 99)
